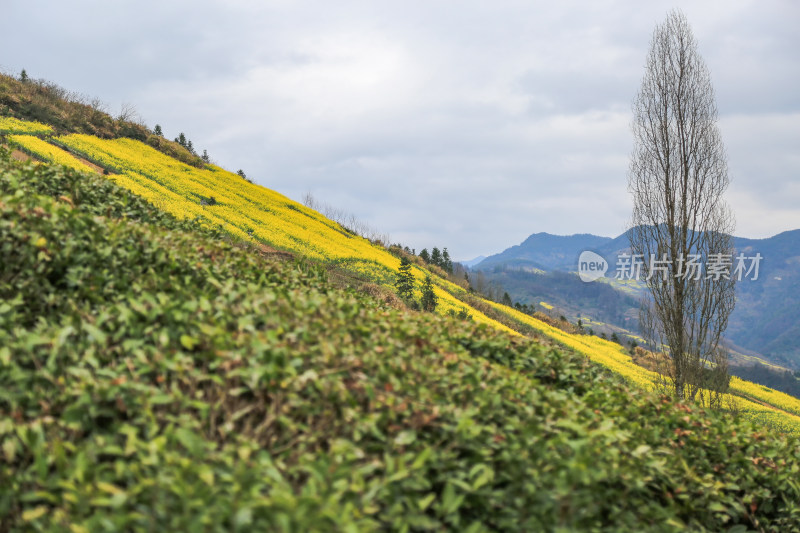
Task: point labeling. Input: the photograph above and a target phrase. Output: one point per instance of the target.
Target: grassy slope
(154, 376)
(61, 111)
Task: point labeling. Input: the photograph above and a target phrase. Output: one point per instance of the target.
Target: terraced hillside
(158, 373)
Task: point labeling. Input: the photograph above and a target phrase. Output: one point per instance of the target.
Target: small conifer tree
(447, 263)
(405, 279)
(157, 131)
(436, 256)
(425, 256)
(429, 299)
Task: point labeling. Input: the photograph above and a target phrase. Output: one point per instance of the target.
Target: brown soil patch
(20, 155)
(274, 253)
(91, 165)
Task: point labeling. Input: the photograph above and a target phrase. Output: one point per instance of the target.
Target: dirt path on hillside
(19, 155)
(765, 404)
(98, 169)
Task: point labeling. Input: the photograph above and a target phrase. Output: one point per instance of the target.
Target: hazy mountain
(545, 251)
(766, 319)
(472, 262)
(767, 314)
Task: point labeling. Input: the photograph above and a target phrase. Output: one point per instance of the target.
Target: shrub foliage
(154, 376)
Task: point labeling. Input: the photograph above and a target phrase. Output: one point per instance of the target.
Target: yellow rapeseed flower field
(247, 210)
(765, 394)
(46, 151)
(13, 125)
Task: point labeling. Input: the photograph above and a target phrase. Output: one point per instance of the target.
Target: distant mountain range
(766, 320)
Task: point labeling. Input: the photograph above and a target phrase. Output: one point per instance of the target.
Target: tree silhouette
(447, 263)
(506, 299)
(436, 257)
(405, 280)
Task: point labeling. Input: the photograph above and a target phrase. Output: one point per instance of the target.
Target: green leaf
(161, 399)
(421, 459)
(94, 332)
(405, 437)
(450, 500)
(481, 475)
(717, 507)
(424, 503)
(243, 517)
(189, 440)
(32, 514)
(641, 450)
(10, 449)
(189, 342)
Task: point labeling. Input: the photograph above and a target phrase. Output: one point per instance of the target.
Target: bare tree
(309, 201)
(347, 221)
(97, 104)
(678, 173)
(128, 113)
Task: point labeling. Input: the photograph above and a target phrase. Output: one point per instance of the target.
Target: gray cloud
(468, 125)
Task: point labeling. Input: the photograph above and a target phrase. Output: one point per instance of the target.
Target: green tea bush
(155, 377)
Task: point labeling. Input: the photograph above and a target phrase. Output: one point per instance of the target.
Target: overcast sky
(464, 124)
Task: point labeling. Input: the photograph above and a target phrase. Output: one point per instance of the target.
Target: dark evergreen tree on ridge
(436, 256)
(425, 256)
(447, 263)
(405, 279)
(507, 300)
